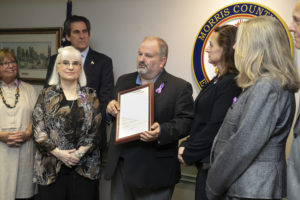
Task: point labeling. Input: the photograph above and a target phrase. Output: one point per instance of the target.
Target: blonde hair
(262, 50)
(63, 53)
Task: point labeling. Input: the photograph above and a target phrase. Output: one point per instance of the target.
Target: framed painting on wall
(33, 48)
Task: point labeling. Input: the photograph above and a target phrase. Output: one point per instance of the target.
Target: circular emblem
(233, 14)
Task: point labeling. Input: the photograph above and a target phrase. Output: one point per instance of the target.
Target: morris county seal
(233, 14)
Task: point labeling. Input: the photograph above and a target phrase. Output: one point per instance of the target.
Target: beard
(142, 68)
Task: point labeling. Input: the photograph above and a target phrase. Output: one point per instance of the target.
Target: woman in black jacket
(211, 105)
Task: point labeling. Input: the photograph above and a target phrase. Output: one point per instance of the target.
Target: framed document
(136, 113)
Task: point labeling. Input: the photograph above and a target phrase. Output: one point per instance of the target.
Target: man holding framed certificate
(148, 168)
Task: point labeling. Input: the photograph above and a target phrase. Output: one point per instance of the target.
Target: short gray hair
(63, 53)
(163, 46)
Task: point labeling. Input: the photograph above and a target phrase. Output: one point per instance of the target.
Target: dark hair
(226, 40)
(76, 18)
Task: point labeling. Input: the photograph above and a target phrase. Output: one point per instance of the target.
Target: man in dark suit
(148, 168)
(97, 66)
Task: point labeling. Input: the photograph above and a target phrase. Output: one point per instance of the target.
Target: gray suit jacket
(249, 151)
(293, 172)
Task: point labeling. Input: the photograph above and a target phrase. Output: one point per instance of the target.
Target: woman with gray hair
(249, 150)
(65, 122)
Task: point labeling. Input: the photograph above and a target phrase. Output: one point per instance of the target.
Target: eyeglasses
(5, 64)
(68, 63)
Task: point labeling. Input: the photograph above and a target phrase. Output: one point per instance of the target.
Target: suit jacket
(154, 164)
(99, 74)
(210, 108)
(293, 172)
(249, 150)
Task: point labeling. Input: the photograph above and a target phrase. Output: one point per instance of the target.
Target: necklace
(67, 92)
(74, 100)
(17, 95)
(72, 104)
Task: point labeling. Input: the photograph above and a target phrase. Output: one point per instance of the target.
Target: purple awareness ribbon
(83, 98)
(158, 90)
(234, 100)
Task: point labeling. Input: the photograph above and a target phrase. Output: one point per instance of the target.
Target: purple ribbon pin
(234, 100)
(158, 90)
(83, 98)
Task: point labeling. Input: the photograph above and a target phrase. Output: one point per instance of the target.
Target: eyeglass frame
(67, 63)
(6, 64)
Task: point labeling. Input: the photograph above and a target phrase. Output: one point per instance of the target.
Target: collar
(58, 88)
(15, 83)
(85, 52)
(139, 82)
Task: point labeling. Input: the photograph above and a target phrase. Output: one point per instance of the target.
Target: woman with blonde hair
(248, 154)
(65, 124)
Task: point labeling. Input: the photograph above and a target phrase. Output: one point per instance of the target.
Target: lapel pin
(92, 62)
(234, 100)
(159, 89)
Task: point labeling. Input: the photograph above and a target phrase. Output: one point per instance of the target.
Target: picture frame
(33, 48)
(136, 113)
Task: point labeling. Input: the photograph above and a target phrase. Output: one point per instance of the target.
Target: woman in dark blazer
(211, 105)
(249, 150)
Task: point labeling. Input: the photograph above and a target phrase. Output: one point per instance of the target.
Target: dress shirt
(84, 54)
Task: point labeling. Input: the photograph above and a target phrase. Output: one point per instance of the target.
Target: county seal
(233, 14)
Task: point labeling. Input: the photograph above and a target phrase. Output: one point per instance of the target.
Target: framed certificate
(136, 113)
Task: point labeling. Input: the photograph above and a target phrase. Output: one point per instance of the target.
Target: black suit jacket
(210, 108)
(99, 74)
(155, 164)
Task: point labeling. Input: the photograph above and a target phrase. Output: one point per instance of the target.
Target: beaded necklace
(17, 95)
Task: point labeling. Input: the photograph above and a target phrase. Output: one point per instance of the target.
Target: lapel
(162, 79)
(298, 114)
(89, 60)
(53, 97)
(130, 82)
(203, 91)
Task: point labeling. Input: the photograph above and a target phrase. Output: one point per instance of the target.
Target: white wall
(118, 26)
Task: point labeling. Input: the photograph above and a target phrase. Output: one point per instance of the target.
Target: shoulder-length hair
(6, 53)
(226, 40)
(66, 53)
(263, 50)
